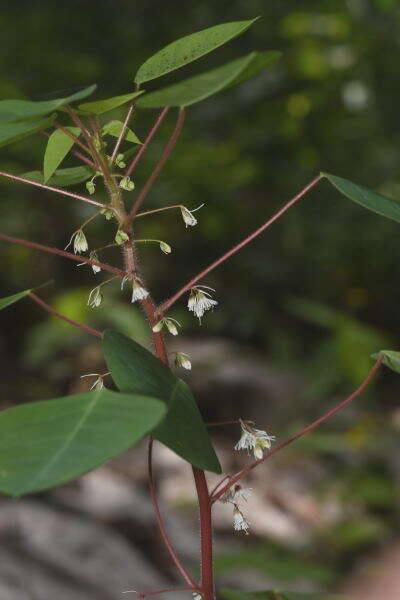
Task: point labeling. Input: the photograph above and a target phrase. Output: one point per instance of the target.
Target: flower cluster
(253, 439)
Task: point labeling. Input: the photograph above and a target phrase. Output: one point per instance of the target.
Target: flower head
(138, 291)
(170, 324)
(95, 297)
(187, 215)
(182, 360)
(200, 301)
(257, 440)
(80, 242)
(240, 522)
(98, 384)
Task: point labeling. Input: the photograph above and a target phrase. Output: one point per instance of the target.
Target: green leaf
(368, 199)
(12, 132)
(391, 359)
(202, 86)
(102, 106)
(62, 177)
(189, 48)
(14, 298)
(19, 110)
(58, 146)
(277, 595)
(44, 444)
(114, 128)
(134, 369)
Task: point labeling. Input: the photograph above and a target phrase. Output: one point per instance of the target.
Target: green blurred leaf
(62, 177)
(277, 595)
(18, 110)
(391, 359)
(101, 106)
(134, 369)
(12, 132)
(44, 444)
(189, 48)
(14, 298)
(367, 198)
(114, 128)
(58, 146)
(202, 86)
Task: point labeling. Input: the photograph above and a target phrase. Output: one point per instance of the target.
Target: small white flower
(236, 494)
(121, 237)
(80, 242)
(240, 522)
(170, 324)
(182, 360)
(164, 247)
(200, 301)
(138, 291)
(93, 256)
(197, 596)
(95, 297)
(257, 440)
(187, 215)
(98, 384)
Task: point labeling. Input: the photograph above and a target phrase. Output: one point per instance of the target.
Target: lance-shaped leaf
(391, 359)
(13, 132)
(102, 106)
(114, 128)
(278, 595)
(134, 369)
(189, 48)
(58, 146)
(14, 298)
(367, 198)
(44, 444)
(62, 177)
(19, 110)
(202, 86)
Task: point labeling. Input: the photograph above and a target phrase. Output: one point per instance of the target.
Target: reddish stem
(49, 188)
(163, 159)
(168, 303)
(73, 137)
(182, 589)
(21, 242)
(54, 312)
(147, 141)
(207, 579)
(302, 432)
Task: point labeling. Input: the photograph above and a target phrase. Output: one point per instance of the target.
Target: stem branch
(147, 141)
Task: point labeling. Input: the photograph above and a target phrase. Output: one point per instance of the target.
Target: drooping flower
(95, 297)
(138, 291)
(236, 495)
(166, 248)
(80, 242)
(98, 384)
(240, 522)
(200, 301)
(187, 215)
(253, 439)
(93, 256)
(182, 360)
(170, 324)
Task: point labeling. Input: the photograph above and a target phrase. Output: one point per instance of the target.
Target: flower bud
(182, 360)
(166, 248)
(91, 188)
(121, 237)
(127, 184)
(107, 213)
(119, 161)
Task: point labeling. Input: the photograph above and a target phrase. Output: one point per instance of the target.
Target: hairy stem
(54, 312)
(168, 303)
(157, 170)
(328, 415)
(50, 188)
(147, 141)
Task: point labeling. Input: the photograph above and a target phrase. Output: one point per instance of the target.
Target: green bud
(127, 184)
(107, 213)
(98, 143)
(119, 161)
(121, 237)
(91, 188)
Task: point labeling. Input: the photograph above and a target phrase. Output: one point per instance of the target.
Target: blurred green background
(313, 298)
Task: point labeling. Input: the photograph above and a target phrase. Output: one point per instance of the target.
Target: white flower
(257, 440)
(80, 242)
(197, 596)
(236, 494)
(187, 215)
(121, 237)
(93, 256)
(240, 522)
(200, 301)
(170, 324)
(98, 384)
(164, 247)
(138, 291)
(182, 360)
(95, 297)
